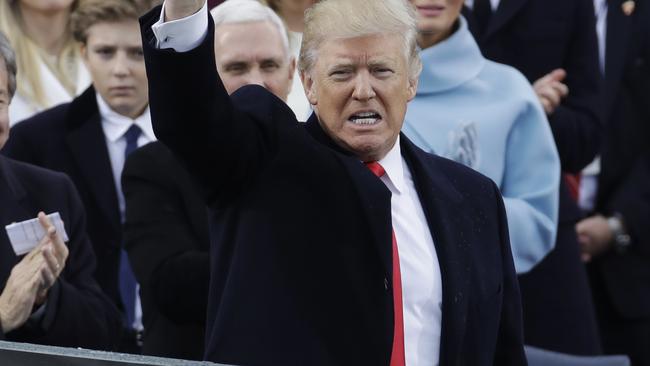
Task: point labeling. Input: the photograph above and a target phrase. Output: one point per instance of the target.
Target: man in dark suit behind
(88, 138)
(48, 295)
(315, 258)
(553, 43)
(166, 227)
(616, 237)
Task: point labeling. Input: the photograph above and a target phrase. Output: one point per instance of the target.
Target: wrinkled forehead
(253, 37)
(374, 49)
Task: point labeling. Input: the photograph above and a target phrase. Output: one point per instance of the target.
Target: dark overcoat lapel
(87, 143)
(445, 221)
(374, 195)
(502, 15)
(14, 207)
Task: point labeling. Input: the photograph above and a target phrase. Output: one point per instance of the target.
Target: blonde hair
(9, 57)
(29, 82)
(338, 19)
(91, 12)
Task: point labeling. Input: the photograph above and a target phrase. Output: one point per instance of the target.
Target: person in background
(90, 137)
(50, 70)
(292, 13)
(47, 296)
(166, 228)
(486, 115)
(615, 191)
(553, 43)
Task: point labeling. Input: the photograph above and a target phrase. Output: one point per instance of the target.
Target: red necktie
(573, 183)
(397, 357)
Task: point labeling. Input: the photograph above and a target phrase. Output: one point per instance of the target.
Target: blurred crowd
(548, 98)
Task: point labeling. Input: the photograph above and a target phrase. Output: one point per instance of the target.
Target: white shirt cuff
(184, 34)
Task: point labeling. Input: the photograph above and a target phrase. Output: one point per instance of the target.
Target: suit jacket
(301, 230)
(77, 313)
(623, 185)
(166, 236)
(536, 37)
(69, 138)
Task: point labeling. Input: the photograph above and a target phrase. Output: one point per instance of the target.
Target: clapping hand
(550, 90)
(31, 279)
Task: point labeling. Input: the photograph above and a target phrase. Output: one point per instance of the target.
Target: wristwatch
(622, 239)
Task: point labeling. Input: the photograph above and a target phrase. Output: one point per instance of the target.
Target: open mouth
(365, 118)
(433, 10)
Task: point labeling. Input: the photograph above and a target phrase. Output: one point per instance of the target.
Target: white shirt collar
(115, 125)
(394, 166)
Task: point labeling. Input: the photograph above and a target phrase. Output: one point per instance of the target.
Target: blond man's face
(359, 88)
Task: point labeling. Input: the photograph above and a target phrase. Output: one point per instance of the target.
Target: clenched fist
(177, 9)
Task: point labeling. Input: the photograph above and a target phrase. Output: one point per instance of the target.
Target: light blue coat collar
(451, 62)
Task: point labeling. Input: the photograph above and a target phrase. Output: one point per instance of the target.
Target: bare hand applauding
(32, 277)
(550, 90)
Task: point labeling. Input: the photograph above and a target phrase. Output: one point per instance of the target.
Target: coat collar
(12, 196)
(87, 144)
(8, 180)
(451, 62)
(443, 207)
(14, 207)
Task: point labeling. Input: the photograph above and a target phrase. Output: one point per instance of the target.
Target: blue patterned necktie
(128, 284)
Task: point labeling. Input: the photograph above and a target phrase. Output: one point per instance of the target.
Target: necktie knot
(375, 168)
(131, 135)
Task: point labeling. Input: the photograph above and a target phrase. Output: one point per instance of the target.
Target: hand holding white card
(26, 235)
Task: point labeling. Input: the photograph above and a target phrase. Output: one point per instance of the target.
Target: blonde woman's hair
(9, 57)
(29, 83)
(340, 19)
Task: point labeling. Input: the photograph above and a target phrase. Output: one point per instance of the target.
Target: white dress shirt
(115, 126)
(420, 270)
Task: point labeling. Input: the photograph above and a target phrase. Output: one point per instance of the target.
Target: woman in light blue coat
(486, 116)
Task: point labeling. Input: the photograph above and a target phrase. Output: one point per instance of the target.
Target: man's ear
(292, 67)
(308, 85)
(412, 88)
(83, 50)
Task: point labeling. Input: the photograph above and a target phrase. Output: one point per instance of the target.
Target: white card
(26, 235)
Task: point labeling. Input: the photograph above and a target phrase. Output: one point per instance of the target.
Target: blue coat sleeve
(531, 194)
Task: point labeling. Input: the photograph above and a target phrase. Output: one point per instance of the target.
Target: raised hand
(177, 9)
(19, 294)
(55, 253)
(550, 90)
